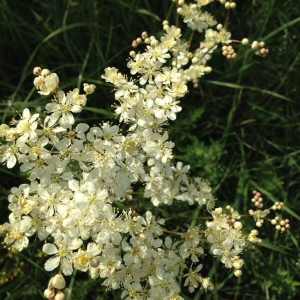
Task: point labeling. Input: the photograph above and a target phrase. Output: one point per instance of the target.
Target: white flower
(63, 251)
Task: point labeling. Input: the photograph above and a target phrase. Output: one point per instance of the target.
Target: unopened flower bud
(245, 41)
(258, 224)
(254, 45)
(59, 281)
(132, 53)
(45, 72)
(232, 5)
(37, 71)
(94, 262)
(49, 293)
(238, 225)
(219, 26)
(134, 44)
(227, 5)
(237, 273)
(207, 69)
(60, 296)
(144, 35)
(191, 288)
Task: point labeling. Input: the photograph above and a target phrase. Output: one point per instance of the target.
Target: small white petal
(50, 249)
(52, 263)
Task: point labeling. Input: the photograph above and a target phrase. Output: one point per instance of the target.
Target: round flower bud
(49, 293)
(258, 224)
(191, 289)
(207, 69)
(194, 60)
(232, 5)
(94, 262)
(45, 72)
(219, 26)
(60, 296)
(37, 71)
(179, 10)
(254, 45)
(238, 225)
(237, 273)
(144, 35)
(132, 53)
(59, 281)
(227, 5)
(134, 44)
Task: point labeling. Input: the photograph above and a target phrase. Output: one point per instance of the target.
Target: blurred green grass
(240, 129)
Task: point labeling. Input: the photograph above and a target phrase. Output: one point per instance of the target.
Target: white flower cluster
(77, 172)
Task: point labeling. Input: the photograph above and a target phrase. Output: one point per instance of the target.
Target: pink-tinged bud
(37, 71)
(134, 44)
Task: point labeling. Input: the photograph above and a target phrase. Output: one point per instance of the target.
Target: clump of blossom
(73, 212)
